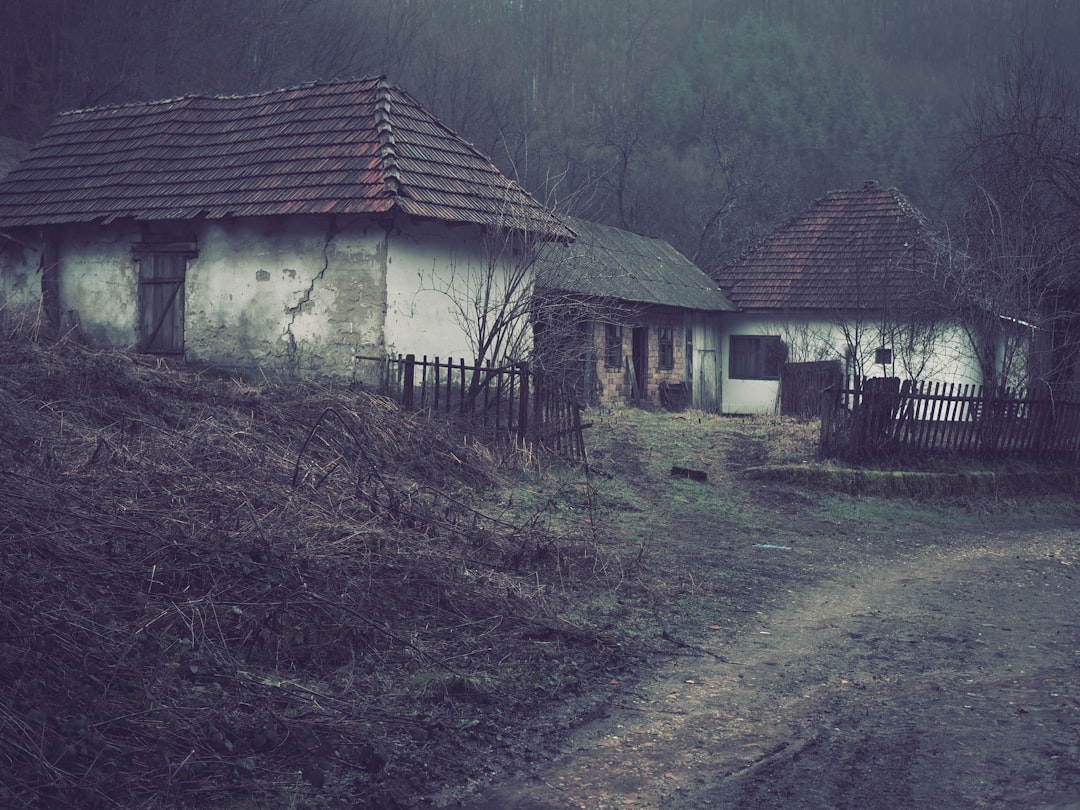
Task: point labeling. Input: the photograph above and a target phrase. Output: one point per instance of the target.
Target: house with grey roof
(642, 322)
(848, 290)
(293, 231)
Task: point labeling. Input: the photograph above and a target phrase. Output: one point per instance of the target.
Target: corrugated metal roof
(342, 147)
(851, 250)
(611, 263)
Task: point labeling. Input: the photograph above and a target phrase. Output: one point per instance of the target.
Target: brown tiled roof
(611, 263)
(861, 249)
(341, 147)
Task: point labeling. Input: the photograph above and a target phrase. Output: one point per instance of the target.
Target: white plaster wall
(949, 359)
(747, 396)
(433, 273)
(300, 296)
(99, 290)
(20, 278)
(297, 295)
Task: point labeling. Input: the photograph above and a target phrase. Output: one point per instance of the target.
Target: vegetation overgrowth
(215, 590)
(223, 594)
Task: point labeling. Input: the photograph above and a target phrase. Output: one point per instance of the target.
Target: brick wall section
(615, 384)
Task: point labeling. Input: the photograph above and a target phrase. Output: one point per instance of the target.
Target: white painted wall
(300, 295)
(98, 290)
(434, 274)
(943, 354)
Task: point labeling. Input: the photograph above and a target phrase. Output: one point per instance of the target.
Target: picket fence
(887, 416)
(509, 401)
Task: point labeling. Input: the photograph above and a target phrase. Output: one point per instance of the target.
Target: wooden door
(161, 303)
(640, 352)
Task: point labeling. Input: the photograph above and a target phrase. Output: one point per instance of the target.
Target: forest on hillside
(705, 122)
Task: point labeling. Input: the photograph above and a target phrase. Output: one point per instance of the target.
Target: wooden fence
(504, 402)
(887, 417)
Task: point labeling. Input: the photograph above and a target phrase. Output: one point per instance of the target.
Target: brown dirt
(911, 665)
(943, 677)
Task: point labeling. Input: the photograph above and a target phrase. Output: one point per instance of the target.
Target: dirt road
(939, 675)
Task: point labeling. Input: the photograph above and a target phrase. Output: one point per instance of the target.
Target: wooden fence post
(830, 416)
(407, 385)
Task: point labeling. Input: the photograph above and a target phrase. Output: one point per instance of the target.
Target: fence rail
(508, 402)
(890, 417)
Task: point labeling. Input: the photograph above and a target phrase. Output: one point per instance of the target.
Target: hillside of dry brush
(216, 593)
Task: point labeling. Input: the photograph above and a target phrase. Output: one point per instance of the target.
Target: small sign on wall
(883, 356)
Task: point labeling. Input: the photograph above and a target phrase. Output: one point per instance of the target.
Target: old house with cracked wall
(290, 232)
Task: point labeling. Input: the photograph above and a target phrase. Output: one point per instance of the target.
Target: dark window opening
(757, 357)
(666, 348)
(613, 340)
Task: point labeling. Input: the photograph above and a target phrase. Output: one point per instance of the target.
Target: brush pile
(211, 591)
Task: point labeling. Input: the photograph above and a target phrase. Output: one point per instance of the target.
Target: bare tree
(1020, 175)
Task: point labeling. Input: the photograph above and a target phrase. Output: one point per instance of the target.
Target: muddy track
(943, 674)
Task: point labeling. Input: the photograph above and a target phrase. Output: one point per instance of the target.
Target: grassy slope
(214, 591)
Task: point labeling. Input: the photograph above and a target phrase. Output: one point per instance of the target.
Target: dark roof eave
(615, 300)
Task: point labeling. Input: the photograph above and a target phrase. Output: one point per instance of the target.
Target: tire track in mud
(946, 676)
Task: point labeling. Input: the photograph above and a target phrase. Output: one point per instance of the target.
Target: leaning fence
(508, 401)
(887, 416)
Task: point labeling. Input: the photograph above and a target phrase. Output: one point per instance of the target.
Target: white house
(292, 231)
(849, 287)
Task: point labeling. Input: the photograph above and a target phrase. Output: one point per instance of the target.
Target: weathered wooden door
(639, 346)
(707, 382)
(703, 367)
(161, 302)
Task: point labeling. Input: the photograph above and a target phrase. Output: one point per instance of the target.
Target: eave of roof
(359, 146)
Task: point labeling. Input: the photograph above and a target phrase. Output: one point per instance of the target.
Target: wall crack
(292, 348)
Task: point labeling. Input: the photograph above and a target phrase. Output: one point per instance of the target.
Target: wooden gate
(801, 386)
(887, 417)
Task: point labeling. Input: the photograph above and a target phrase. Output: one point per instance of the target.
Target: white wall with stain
(301, 296)
(297, 295)
(98, 285)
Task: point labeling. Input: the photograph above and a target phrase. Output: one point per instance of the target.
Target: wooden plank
(952, 420)
(922, 416)
(969, 423)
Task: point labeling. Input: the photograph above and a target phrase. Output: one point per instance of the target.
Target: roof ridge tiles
(223, 96)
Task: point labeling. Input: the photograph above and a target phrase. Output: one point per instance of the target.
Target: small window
(756, 357)
(666, 348)
(613, 345)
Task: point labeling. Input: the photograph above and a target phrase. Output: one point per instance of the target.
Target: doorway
(640, 355)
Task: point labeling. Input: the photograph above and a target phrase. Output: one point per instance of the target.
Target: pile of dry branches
(212, 590)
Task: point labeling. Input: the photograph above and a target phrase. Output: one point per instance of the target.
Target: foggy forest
(704, 122)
